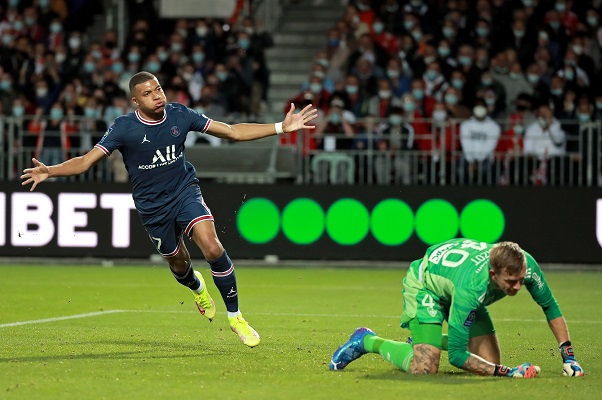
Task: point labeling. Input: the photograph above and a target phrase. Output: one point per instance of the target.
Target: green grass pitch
(136, 334)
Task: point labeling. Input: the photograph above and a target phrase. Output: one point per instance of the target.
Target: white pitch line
(99, 313)
(76, 316)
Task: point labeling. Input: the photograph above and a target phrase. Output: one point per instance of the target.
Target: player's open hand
(37, 174)
(293, 122)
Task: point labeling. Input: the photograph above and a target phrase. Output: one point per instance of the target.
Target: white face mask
(439, 115)
(479, 111)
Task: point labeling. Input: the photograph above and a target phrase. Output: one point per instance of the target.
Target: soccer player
(455, 282)
(165, 189)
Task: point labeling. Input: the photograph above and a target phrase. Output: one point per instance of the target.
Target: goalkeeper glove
(526, 370)
(570, 366)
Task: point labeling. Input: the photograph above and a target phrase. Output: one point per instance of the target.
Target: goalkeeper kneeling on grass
(455, 282)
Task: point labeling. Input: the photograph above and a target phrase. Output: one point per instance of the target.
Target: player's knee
(213, 251)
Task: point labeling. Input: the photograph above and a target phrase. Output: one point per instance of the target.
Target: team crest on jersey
(106, 134)
(470, 319)
(175, 131)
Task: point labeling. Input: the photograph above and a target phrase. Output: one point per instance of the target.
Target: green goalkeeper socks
(397, 353)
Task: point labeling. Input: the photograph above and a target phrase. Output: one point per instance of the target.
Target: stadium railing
(338, 159)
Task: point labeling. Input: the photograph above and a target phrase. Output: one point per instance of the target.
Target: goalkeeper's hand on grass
(526, 370)
(570, 366)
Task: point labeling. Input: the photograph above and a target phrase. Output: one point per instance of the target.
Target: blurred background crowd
(410, 91)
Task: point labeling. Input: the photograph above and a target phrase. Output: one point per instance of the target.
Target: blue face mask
(409, 106)
(163, 55)
(18, 25)
(431, 75)
(465, 60)
(448, 32)
(153, 66)
(556, 91)
(443, 51)
(457, 83)
(599, 105)
(351, 89)
(395, 119)
(198, 57)
(315, 88)
(18, 111)
(56, 113)
(13, 3)
(333, 42)
(134, 57)
(335, 118)
(55, 27)
(6, 39)
(451, 98)
(482, 32)
(244, 43)
(5, 85)
(97, 54)
(222, 76)
(418, 94)
(43, 3)
(489, 101)
(378, 27)
(176, 47)
(117, 67)
(583, 117)
(89, 67)
(89, 112)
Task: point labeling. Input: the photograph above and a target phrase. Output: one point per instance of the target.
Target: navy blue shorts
(185, 212)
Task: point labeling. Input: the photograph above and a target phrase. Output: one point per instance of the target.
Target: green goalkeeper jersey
(456, 272)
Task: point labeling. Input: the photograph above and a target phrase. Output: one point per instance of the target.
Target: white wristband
(279, 128)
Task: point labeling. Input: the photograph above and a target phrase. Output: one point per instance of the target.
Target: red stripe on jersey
(196, 221)
(149, 122)
(103, 149)
(222, 274)
(207, 125)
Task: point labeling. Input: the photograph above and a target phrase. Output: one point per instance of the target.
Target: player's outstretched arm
(480, 366)
(75, 166)
(247, 131)
(570, 366)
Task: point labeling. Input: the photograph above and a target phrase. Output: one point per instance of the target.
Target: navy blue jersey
(153, 153)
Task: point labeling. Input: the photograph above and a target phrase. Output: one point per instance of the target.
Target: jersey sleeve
(198, 122)
(111, 140)
(462, 313)
(540, 291)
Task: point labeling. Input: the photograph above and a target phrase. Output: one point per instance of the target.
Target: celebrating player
(165, 189)
(455, 282)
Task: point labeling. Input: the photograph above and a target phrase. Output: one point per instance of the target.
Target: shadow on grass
(442, 377)
(152, 350)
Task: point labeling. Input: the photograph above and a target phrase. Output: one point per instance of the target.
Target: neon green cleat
(203, 300)
(244, 331)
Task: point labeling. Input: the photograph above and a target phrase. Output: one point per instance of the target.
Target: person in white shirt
(545, 143)
(479, 136)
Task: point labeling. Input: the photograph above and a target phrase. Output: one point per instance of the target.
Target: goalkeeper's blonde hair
(507, 255)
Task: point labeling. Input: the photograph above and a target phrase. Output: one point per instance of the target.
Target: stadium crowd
(475, 81)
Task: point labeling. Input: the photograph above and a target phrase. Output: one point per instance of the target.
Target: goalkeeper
(455, 282)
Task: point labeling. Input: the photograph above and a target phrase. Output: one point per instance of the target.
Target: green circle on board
(482, 220)
(258, 220)
(303, 221)
(392, 222)
(436, 221)
(347, 221)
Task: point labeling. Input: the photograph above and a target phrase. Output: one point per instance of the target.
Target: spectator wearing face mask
(452, 99)
(545, 146)
(335, 131)
(380, 104)
(479, 136)
(395, 138)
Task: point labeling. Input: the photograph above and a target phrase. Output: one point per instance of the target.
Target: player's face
(509, 283)
(150, 99)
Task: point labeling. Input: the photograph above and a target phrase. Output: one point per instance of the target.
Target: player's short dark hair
(507, 255)
(140, 77)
